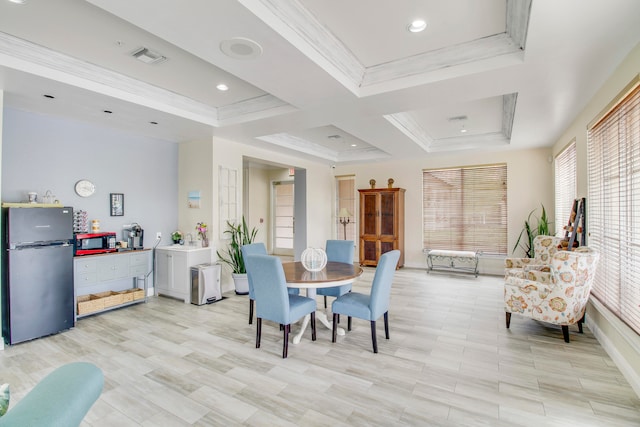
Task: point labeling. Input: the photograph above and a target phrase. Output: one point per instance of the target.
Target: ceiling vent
(148, 56)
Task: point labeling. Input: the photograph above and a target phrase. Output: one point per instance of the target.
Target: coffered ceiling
(338, 82)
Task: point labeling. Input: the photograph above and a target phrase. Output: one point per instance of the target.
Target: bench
(462, 261)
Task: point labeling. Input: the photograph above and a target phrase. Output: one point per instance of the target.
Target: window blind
(346, 199)
(466, 208)
(565, 182)
(613, 216)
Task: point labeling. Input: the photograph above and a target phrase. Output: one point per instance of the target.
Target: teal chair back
(272, 298)
(337, 251)
(251, 249)
(340, 251)
(381, 285)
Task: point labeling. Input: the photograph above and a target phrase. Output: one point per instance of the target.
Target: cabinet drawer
(115, 267)
(85, 265)
(137, 270)
(84, 279)
(139, 259)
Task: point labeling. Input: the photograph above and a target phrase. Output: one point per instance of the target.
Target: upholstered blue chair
(370, 307)
(252, 249)
(337, 251)
(62, 398)
(273, 302)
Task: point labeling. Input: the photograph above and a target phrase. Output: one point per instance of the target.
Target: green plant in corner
(240, 235)
(531, 231)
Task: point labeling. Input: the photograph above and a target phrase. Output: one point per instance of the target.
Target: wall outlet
(158, 235)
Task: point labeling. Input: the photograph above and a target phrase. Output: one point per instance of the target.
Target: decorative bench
(463, 261)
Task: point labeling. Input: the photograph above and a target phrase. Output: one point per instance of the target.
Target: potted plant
(176, 236)
(531, 231)
(232, 256)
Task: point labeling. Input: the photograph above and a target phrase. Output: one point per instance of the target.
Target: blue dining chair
(273, 302)
(370, 307)
(252, 249)
(337, 251)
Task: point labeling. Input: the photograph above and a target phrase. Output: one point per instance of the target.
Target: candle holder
(344, 216)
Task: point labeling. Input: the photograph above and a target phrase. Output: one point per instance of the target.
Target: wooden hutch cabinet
(381, 224)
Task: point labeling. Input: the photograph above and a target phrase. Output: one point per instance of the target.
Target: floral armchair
(544, 247)
(558, 296)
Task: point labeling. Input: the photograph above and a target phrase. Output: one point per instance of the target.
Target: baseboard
(620, 342)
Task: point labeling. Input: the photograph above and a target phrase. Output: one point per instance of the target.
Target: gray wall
(42, 153)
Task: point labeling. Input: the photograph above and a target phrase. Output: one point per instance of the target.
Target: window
(346, 199)
(283, 219)
(565, 181)
(228, 194)
(466, 209)
(613, 206)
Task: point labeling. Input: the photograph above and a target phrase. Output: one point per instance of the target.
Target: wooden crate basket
(110, 298)
(132, 294)
(89, 304)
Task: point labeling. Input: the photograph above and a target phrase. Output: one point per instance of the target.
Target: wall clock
(85, 188)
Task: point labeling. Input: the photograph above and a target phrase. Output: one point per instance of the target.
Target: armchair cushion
(544, 248)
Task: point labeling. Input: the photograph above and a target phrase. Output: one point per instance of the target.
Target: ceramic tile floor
(450, 362)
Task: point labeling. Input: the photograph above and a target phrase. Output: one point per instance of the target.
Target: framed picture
(117, 204)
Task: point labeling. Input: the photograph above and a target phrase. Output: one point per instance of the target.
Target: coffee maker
(134, 235)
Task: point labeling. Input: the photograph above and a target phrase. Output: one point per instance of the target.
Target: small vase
(205, 242)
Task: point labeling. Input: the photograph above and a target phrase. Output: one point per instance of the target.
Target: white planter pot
(241, 281)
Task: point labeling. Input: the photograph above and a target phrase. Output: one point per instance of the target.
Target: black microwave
(94, 243)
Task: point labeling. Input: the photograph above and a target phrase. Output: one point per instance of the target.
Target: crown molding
(406, 124)
(299, 26)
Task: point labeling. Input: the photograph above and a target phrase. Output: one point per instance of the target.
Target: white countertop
(186, 247)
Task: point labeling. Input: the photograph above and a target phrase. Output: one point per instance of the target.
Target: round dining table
(333, 274)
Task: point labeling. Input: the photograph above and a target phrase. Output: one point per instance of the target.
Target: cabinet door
(388, 215)
(162, 271)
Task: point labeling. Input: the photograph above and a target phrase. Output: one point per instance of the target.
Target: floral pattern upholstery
(544, 247)
(562, 294)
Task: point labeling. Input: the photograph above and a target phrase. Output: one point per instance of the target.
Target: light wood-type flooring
(449, 362)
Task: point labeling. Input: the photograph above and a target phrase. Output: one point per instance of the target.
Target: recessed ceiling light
(18, 1)
(354, 145)
(463, 130)
(417, 26)
(222, 87)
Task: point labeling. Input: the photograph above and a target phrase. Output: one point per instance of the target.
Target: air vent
(148, 56)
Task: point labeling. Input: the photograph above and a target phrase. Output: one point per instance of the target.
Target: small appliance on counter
(134, 236)
(95, 243)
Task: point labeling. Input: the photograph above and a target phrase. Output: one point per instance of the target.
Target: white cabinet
(173, 264)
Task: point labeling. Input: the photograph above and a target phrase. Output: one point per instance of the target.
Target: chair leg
(373, 336)
(313, 326)
(325, 301)
(386, 324)
(285, 345)
(349, 323)
(334, 328)
(580, 322)
(258, 331)
(565, 333)
(508, 318)
(250, 311)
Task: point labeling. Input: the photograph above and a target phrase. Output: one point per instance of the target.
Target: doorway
(282, 196)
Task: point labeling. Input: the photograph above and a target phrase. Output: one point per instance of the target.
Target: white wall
(622, 344)
(530, 183)
(319, 190)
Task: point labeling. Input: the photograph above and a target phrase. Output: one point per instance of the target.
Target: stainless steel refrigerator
(37, 287)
